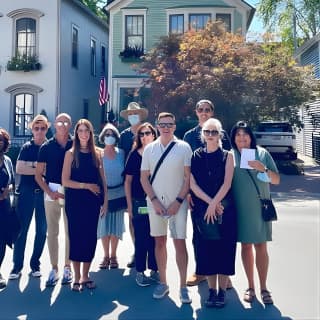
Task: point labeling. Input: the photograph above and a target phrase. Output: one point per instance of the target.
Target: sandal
(77, 287)
(89, 284)
(114, 263)
(249, 295)
(266, 297)
(104, 264)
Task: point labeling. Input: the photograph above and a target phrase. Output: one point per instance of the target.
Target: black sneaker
(221, 299)
(210, 302)
(132, 262)
(3, 282)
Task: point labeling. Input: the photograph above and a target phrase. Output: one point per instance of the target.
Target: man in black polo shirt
(30, 199)
(48, 176)
(204, 111)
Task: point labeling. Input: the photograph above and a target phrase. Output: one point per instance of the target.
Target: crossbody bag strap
(161, 160)
(259, 195)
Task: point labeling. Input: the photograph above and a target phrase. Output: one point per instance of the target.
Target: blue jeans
(30, 200)
(144, 243)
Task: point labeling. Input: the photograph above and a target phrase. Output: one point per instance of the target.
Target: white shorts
(177, 223)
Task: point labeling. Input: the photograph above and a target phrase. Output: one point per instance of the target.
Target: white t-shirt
(170, 176)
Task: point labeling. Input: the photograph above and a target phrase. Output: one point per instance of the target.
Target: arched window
(26, 37)
(23, 113)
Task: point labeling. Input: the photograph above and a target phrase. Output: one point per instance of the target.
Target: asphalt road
(293, 278)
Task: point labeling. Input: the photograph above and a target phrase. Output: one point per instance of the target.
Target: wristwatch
(180, 200)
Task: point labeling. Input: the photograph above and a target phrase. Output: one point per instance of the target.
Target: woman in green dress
(253, 231)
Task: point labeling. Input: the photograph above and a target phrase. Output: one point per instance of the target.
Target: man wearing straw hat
(135, 115)
(30, 199)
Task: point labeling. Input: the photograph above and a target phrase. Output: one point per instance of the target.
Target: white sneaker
(67, 276)
(52, 279)
(14, 275)
(36, 273)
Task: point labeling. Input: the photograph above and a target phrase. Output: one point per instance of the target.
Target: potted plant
(23, 63)
(131, 53)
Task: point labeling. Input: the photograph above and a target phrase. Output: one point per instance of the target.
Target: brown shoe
(195, 279)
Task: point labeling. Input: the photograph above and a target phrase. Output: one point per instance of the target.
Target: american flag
(103, 91)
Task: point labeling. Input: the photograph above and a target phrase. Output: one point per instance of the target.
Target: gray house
(136, 25)
(308, 139)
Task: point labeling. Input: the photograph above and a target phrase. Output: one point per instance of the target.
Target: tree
(248, 81)
(95, 6)
(295, 20)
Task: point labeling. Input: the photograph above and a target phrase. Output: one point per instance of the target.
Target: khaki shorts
(177, 223)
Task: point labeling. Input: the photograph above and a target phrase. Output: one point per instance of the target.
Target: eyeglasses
(39, 128)
(205, 110)
(166, 125)
(210, 132)
(62, 123)
(145, 133)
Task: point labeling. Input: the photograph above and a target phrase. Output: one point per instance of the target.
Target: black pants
(144, 243)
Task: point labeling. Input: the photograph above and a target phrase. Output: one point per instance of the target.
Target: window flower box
(131, 54)
(23, 63)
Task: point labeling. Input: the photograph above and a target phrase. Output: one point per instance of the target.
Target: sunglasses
(210, 132)
(145, 133)
(62, 123)
(166, 125)
(39, 128)
(205, 110)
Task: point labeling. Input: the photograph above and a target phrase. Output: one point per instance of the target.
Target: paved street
(293, 278)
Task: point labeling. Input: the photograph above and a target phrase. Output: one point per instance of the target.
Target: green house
(136, 25)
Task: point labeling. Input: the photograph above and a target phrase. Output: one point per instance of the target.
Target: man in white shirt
(166, 199)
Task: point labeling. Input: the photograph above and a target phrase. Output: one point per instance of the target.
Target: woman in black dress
(6, 180)
(85, 199)
(211, 177)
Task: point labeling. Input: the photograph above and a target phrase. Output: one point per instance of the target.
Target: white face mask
(109, 140)
(134, 119)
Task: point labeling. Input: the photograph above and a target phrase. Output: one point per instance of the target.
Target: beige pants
(53, 215)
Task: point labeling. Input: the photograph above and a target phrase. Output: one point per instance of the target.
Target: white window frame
(25, 13)
(22, 88)
(73, 26)
(93, 63)
(203, 10)
(134, 12)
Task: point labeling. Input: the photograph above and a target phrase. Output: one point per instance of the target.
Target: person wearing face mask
(135, 115)
(111, 225)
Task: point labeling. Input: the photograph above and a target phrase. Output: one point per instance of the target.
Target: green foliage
(23, 63)
(284, 17)
(95, 6)
(245, 80)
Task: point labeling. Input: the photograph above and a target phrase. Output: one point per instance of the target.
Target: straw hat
(39, 119)
(134, 106)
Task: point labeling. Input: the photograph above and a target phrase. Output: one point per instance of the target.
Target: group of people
(156, 178)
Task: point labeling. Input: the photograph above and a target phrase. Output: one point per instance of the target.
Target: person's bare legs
(212, 281)
(114, 246)
(85, 271)
(181, 259)
(106, 244)
(248, 262)
(223, 281)
(161, 256)
(262, 263)
(76, 270)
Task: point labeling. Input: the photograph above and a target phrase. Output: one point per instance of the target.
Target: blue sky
(256, 26)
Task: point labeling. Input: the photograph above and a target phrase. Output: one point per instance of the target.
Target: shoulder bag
(268, 211)
(161, 160)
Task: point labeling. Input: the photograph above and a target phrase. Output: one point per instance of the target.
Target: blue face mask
(263, 176)
(109, 140)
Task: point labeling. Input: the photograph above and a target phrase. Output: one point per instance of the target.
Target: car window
(274, 127)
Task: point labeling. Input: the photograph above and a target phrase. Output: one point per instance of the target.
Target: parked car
(278, 138)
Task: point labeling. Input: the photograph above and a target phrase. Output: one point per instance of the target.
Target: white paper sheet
(53, 187)
(247, 155)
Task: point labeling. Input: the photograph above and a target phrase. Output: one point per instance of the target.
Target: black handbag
(13, 225)
(268, 211)
(210, 231)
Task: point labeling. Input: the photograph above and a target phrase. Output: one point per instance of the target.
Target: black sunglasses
(145, 133)
(164, 125)
(210, 132)
(39, 128)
